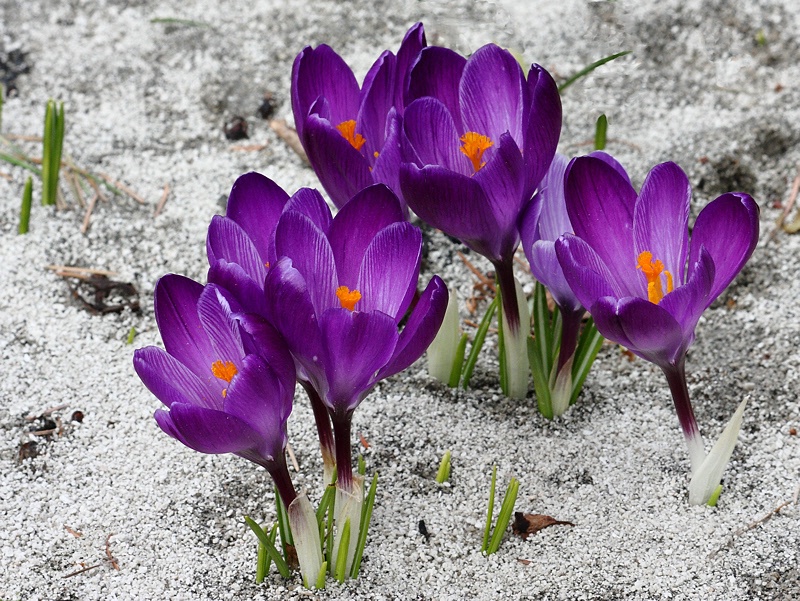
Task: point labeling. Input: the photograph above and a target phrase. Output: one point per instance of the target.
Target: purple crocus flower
(478, 137)
(631, 263)
(338, 294)
(226, 379)
(351, 135)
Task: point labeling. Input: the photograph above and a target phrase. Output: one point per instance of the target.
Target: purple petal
(542, 123)
(503, 180)
(299, 239)
(355, 227)
(437, 73)
(493, 94)
(176, 315)
(529, 223)
(600, 205)
(554, 220)
(377, 98)
(587, 275)
(171, 381)
(611, 162)
(231, 277)
(453, 203)
(226, 240)
(310, 203)
(687, 303)
(653, 333)
(388, 276)
(261, 338)
(420, 329)
(207, 430)
(358, 344)
(728, 229)
(429, 128)
(256, 203)
(341, 168)
(321, 72)
(412, 45)
(546, 269)
(661, 219)
(604, 313)
(386, 169)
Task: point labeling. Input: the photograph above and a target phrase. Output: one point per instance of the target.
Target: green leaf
(341, 556)
(458, 362)
(541, 380)
(477, 344)
(366, 517)
(501, 346)
(283, 522)
(280, 563)
(444, 469)
(590, 343)
(174, 21)
(590, 68)
(320, 584)
(25, 209)
(20, 163)
(712, 500)
(362, 465)
(600, 132)
(325, 502)
(131, 335)
(504, 517)
(264, 559)
(488, 528)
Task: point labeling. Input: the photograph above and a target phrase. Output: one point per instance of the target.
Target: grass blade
(504, 517)
(131, 335)
(280, 563)
(323, 570)
(264, 559)
(541, 380)
(501, 347)
(477, 344)
(58, 145)
(600, 132)
(458, 362)
(48, 140)
(488, 528)
(362, 465)
(444, 469)
(25, 209)
(283, 523)
(341, 553)
(589, 345)
(590, 68)
(20, 163)
(366, 517)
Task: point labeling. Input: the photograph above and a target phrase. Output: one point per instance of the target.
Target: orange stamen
(348, 131)
(348, 298)
(224, 370)
(474, 145)
(652, 269)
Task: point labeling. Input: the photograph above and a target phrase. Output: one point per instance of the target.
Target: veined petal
(248, 292)
(413, 43)
(687, 303)
(420, 329)
(493, 94)
(377, 98)
(453, 203)
(437, 73)
(390, 269)
(321, 72)
(604, 313)
(503, 182)
(256, 203)
(386, 168)
(207, 430)
(299, 239)
(529, 223)
(429, 128)
(171, 381)
(600, 206)
(613, 163)
(542, 125)
(554, 220)
(585, 271)
(355, 227)
(357, 345)
(661, 219)
(260, 338)
(546, 269)
(176, 315)
(226, 240)
(341, 169)
(728, 229)
(310, 203)
(222, 330)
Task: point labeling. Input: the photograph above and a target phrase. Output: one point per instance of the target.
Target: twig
(124, 188)
(248, 147)
(89, 210)
(81, 571)
(780, 223)
(82, 273)
(484, 280)
(73, 532)
(23, 138)
(162, 201)
(288, 135)
(292, 458)
(110, 557)
(46, 412)
(6, 176)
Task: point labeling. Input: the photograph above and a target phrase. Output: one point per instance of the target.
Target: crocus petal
(221, 329)
(176, 315)
(171, 381)
(437, 73)
(247, 291)
(262, 339)
(412, 45)
(493, 93)
(258, 397)
(503, 180)
(341, 169)
(355, 227)
(661, 219)
(554, 220)
(529, 223)
(429, 129)
(611, 162)
(584, 270)
(453, 203)
(207, 430)
(227, 240)
(388, 276)
(298, 238)
(420, 329)
(256, 203)
(546, 269)
(377, 97)
(728, 229)
(686, 303)
(600, 205)
(542, 123)
(357, 345)
(604, 314)
(386, 168)
(310, 203)
(321, 72)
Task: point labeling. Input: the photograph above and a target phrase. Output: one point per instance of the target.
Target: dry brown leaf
(526, 524)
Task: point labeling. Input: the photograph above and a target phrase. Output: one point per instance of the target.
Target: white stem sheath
(442, 351)
(516, 347)
(303, 522)
(348, 506)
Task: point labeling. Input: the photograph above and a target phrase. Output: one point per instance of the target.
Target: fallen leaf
(526, 524)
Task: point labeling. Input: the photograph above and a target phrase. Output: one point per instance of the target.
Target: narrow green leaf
(262, 567)
(341, 554)
(283, 522)
(48, 140)
(501, 346)
(490, 511)
(444, 469)
(600, 130)
(541, 380)
(320, 584)
(25, 209)
(280, 563)
(131, 335)
(20, 163)
(712, 500)
(329, 532)
(458, 362)
(2, 94)
(504, 517)
(590, 68)
(325, 502)
(477, 344)
(366, 517)
(174, 21)
(58, 144)
(362, 465)
(590, 343)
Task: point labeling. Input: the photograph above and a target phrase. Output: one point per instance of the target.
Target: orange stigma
(224, 370)
(652, 269)
(474, 145)
(348, 131)
(348, 298)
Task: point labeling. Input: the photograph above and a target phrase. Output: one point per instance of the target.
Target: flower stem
(676, 378)
(504, 271)
(324, 431)
(344, 467)
(283, 481)
(570, 328)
